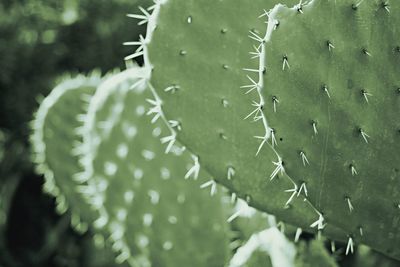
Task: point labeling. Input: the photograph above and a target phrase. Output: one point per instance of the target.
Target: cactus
(312, 169)
(224, 148)
(147, 201)
(219, 98)
(266, 244)
(151, 215)
(139, 196)
(196, 78)
(348, 127)
(54, 146)
(55, 140)
(314, 254)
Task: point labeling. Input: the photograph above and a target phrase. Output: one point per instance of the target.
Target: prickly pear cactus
(154, 216)
(213, 77)
(333, 104)
(197, 75)
(55, 145)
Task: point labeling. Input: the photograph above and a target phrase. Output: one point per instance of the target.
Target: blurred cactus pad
(121, 182)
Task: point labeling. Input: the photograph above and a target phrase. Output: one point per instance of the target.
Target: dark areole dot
(329, 44)
(365, 51)
(222, 136)
(300, 10)
(384, 4)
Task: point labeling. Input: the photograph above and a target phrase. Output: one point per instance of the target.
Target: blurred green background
(40, 41)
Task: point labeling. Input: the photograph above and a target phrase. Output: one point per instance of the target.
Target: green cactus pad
(155, 216)
(55, 139)
(197, 73)
(334, 69)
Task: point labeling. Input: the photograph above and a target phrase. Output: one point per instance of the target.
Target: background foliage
(39, 42)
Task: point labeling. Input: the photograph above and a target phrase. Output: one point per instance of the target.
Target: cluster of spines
(258, 113)
(92, 188)
(157, 112)
(169, 140)
(95, 190)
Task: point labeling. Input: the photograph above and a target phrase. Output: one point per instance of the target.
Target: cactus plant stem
(259, 115)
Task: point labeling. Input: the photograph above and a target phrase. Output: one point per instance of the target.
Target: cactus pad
(197, 74)
(55, 139)
(331, 94)
(153, 214)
